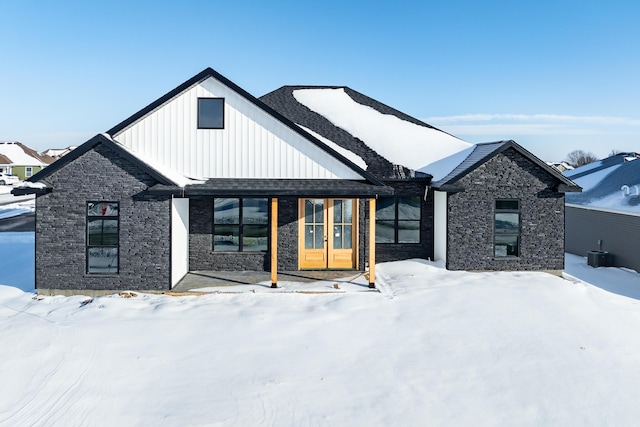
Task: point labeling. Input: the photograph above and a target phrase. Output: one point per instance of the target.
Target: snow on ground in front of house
(435, 348)
(397, 140)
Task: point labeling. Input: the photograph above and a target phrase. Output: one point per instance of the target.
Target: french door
(328, 233)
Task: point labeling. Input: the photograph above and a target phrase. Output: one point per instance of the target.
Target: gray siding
(508, 175)
(618, 232)
(144, 235)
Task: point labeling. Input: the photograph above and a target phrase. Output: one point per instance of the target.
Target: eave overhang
(330, 188)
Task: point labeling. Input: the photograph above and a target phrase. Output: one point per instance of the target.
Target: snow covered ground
(433, 348)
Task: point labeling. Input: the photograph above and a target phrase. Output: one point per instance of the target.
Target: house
(56, 153)
(20, 160)
(606, 216)
(209, 177)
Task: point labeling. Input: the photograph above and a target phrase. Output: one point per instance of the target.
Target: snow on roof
(176, 177)
(587, 182)
(357, 160)
(15, 152)
(441, 168)
(399, 141)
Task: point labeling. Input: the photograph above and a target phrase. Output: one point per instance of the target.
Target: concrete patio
(208, 279)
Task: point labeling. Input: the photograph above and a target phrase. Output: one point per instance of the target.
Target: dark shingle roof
(485, 151)
(278, 188)
(285, 103)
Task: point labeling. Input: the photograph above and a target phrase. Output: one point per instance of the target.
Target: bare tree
(614, 152)
(578, 158)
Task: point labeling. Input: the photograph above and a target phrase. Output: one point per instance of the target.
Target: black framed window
(103, 224)
(210, 113)
(507, 228)
(240, 225)
(398, 220)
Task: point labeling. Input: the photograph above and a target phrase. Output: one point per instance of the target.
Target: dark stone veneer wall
(470, 244)
(102, 175)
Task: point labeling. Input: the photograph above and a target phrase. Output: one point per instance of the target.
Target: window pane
(255, 211)
(226, 238)
(254, 238)
(511, 205)
(226, 211)
(348, 237)
(337, 211)
(319, 236)
(348, 211)
(385, 231)
(308, 237)
(102, 260)
(408, 231)
(103, 232)
(507, 223)
(102, 209)
(308, 211)
(386, 208)
(318, 211)
(211, 113)
(337, 237)
(409, 208)
(506, 245)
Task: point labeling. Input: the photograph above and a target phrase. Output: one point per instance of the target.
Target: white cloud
(542, 118)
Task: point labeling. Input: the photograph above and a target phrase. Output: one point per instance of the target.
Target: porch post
(274, 242)
(372, 243)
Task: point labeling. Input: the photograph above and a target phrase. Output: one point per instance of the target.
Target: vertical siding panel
(252, 144)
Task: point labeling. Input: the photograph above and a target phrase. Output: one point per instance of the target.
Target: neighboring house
(208, 177)
(20, 160)
(56, 153)
(560, 166)
(606, 216)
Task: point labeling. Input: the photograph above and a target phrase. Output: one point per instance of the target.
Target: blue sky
(553, 75)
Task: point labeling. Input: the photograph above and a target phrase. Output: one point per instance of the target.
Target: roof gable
(256, 142)
(481, 153)
(91, 144)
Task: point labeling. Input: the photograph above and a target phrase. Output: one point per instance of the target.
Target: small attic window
(210, 113)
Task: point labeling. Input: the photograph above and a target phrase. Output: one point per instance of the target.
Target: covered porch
(195, 280)
(322, 231)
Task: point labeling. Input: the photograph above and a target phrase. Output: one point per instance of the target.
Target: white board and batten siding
(179, 239)
(253, 144)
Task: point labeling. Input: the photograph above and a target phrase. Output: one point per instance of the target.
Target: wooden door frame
(328, 227)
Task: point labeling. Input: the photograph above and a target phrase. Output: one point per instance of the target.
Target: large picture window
(210, 113)
(240, 224)
(103, 223)
(507, 228)
(398, 220)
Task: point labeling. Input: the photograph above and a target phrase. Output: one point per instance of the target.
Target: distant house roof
(392, 144)
(481, 153)
(611, 183)
(18, 154)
